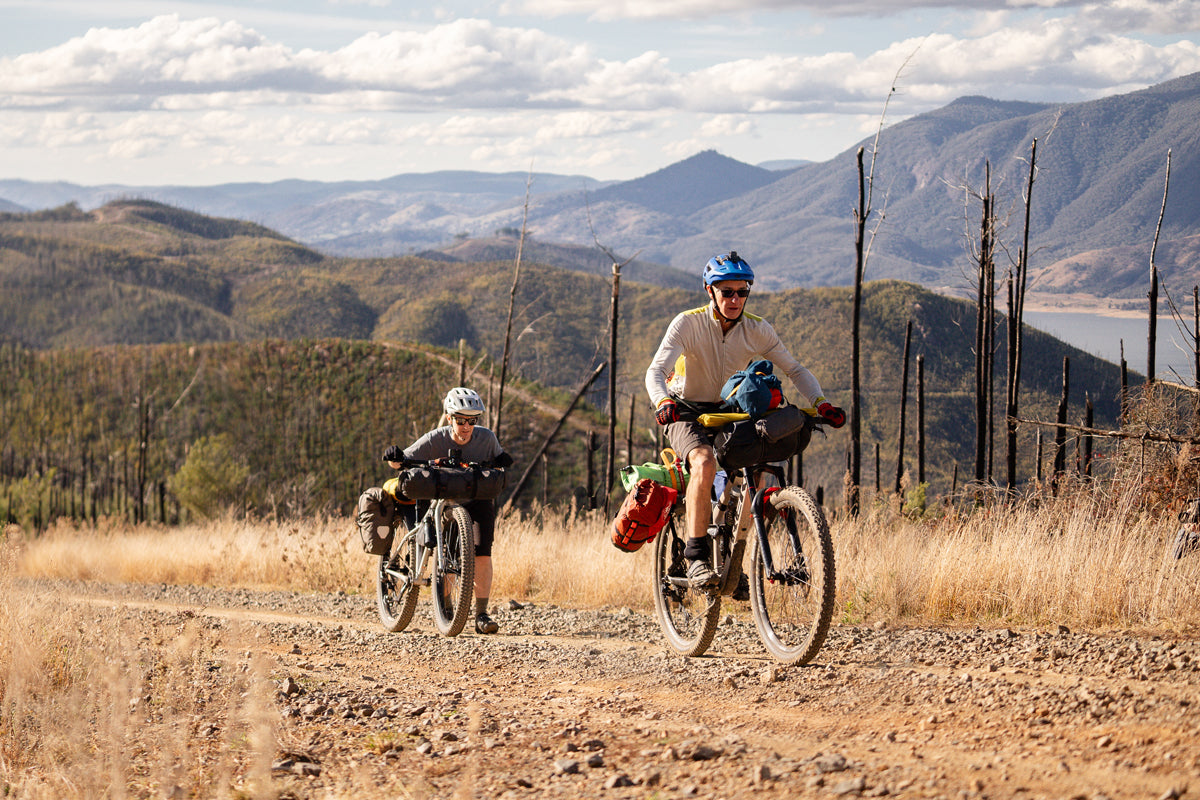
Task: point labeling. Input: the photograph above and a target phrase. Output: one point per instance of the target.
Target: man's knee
(702, 463)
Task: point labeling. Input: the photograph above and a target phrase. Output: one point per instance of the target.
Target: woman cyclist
(474, 444)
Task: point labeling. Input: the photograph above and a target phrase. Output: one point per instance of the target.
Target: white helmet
(462, 401)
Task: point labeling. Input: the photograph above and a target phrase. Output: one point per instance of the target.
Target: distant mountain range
(1101, 168)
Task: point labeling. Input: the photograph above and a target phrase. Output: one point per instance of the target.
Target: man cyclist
(698, 353)
(463, 409)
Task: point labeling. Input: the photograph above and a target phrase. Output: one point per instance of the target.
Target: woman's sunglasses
(728, 293)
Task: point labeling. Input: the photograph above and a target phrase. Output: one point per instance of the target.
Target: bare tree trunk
(983, 362)
(516, 492)
(629, 430)
(591, 468)
(498, 412)
(903, 408)
(920, 419)
(1152, 335)
(1089, 417)
(1196, 335)
(860, 228)
(610, 467)
(1016, 334)
(1060, 433)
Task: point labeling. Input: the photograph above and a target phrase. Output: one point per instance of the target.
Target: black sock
(480, 605)
(696, 549)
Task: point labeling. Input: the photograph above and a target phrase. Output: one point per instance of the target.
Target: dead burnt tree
(920, 419)
(583, 387)
(903, 409)
(1152, 333)
(1060, 430)
(613, 323)
(1016, 335)
(984, 333)
(498, 411)
(861, 213)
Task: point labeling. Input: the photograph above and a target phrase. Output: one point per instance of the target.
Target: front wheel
(792, 583)
(454, 571)
(688, 617)
(396, 586)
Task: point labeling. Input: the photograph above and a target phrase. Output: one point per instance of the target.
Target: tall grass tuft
(100, 704)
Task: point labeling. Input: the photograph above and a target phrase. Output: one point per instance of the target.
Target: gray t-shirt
(484, 447)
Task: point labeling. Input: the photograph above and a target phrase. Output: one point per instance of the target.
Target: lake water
(1102, 336)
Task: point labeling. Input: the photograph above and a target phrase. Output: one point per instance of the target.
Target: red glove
(832, 414)
(667, 413)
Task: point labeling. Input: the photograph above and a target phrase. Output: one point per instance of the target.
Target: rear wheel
(793, 604)
(688, 617)
(454, 571)
(396, 586)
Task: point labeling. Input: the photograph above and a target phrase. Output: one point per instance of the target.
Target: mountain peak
(687, 186)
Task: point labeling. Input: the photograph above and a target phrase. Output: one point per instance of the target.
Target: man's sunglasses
(728, 293)
(465, 420)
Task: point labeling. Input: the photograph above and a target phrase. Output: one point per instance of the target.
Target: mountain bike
(439, 551)
(792, 577)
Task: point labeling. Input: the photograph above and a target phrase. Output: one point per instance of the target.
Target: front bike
(439, 551)
(792, 585)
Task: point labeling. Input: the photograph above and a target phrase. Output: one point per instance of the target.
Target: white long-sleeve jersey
(702, 357)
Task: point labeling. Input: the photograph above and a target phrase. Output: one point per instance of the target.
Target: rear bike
(792, 585)
(439, 551)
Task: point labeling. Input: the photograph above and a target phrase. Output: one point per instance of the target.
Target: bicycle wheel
(688, 617)
(454, 572)
(396, 586)
(793, 606)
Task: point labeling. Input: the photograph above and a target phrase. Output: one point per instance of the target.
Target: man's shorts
(685, 436)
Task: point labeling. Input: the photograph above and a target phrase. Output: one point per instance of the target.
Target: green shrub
(212, 478)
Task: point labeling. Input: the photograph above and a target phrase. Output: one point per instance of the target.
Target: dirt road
(570, 703)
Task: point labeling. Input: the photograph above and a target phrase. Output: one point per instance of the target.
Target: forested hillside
(137, 273)
(272, 427)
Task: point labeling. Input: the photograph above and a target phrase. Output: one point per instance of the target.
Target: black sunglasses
(465, 420)
(727, 293)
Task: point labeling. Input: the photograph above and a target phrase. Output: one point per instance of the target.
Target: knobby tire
(454, 572)
(396, 587)
(688, 617)
(793, 612)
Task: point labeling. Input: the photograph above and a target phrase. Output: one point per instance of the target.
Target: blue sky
(148, 92)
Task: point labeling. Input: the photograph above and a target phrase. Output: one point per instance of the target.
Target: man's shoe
(742, 592)
(701, 575)
(485, 624)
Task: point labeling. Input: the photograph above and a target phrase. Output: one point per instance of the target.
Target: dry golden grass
(1089, 559)
(95, 705)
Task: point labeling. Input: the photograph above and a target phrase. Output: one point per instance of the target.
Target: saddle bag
(452, 483)
(376, 516)
(642, 515)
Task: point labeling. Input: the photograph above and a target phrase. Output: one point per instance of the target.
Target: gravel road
(588, 703)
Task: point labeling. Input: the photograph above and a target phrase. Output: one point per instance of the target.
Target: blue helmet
(727, 267)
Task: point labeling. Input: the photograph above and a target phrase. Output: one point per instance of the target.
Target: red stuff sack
(642, 515)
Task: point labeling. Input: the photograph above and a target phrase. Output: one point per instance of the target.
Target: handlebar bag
(452, 483)
(376, 516)
(739, 444)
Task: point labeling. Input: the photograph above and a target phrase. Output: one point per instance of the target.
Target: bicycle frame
(424, 555)
(749, 515)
